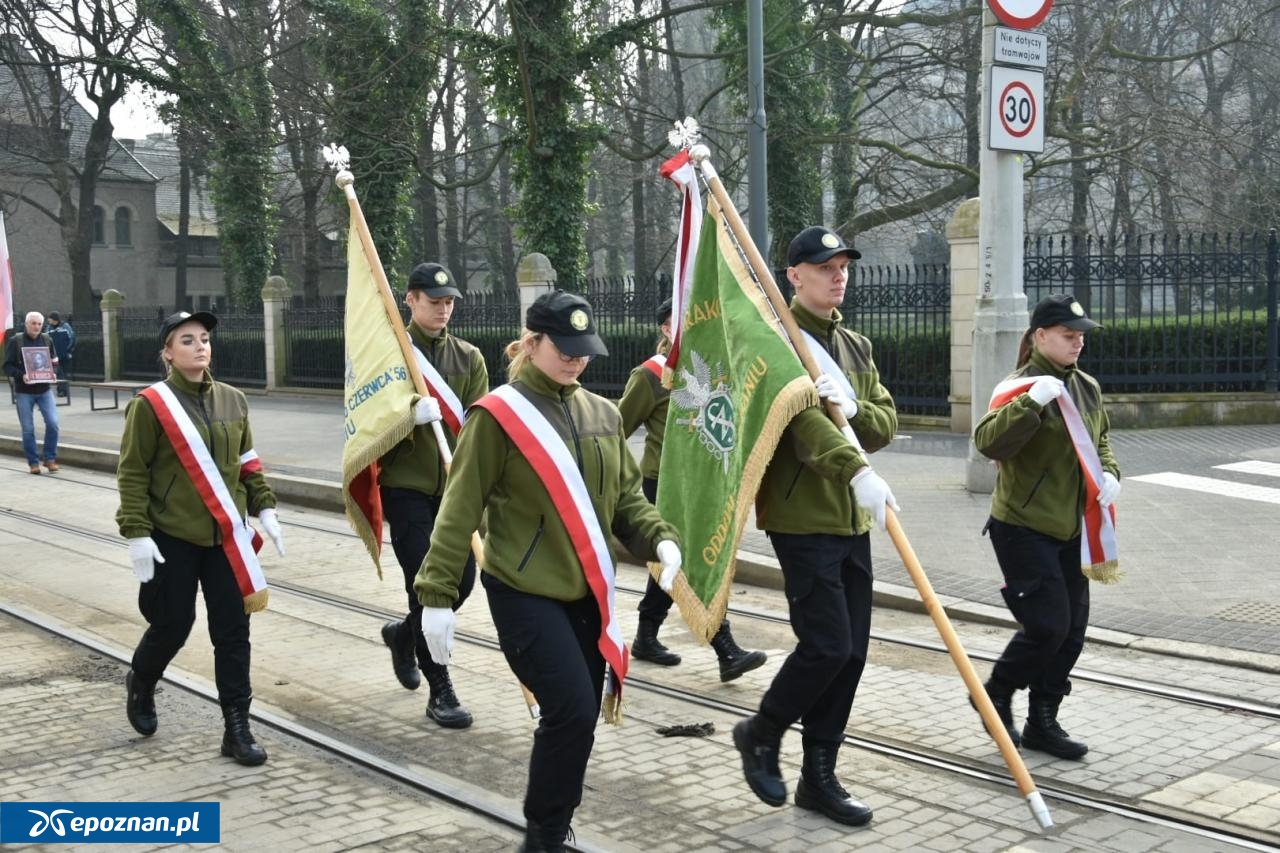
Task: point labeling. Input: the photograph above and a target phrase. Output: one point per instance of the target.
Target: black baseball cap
(1061, 309)
(434, 279)
(816, 244)
(173, 321)
(566, 318)
(664, 311)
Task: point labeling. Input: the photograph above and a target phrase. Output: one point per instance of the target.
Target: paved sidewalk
(1200, 565)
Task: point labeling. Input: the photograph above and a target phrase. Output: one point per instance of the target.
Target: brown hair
(1025, 347)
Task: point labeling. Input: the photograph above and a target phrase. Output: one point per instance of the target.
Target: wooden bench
(115, 388)
(57, 400)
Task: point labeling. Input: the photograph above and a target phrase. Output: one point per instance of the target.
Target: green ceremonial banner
(379, 396)
(734, 389)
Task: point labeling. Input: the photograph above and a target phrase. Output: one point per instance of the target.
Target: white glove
(669, 556)
(426, 411)
(271, 527)
(872, 493)
(1045, 390)
(1109, 490)
(437, 627)
(829, 390)
(144, 553)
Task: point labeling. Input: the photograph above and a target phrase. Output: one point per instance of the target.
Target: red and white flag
(681, 171)
(6, 283)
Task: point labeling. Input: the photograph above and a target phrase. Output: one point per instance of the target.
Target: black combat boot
(820, 791)
(1001, 695)
(402, 658)
(443, 705)
(734, 660)
(140, 704)
(1043, 733)
(237, 740)
(758, 741)
(546, 836)
(647, 646)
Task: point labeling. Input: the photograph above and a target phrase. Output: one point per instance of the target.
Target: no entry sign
(1021, 14)
(1017, 109)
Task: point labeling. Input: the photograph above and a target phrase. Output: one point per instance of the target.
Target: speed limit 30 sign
(1017, 109)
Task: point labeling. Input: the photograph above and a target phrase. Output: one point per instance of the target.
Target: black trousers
(828, 586)
(168, 603)
(1049, 596)
(411, 515)
(655, 604)
(552, 647)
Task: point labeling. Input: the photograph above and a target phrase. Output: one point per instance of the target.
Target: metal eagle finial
(338, 158)
(685, 134)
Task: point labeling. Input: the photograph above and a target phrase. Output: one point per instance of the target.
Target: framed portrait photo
(38, 364)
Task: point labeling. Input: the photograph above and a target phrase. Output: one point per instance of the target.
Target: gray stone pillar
(962, 235)
(534, 276)
(112, 343)
(275, 299)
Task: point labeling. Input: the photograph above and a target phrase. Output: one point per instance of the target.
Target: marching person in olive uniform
(644, 401)
(412, 479)
(539, 457)
(1036, 518)
(181, 534)
(821, 534)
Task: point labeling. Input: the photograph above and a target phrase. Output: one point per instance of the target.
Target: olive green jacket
(1040, 485)
(806, 486)
(645, 401)
(526, 545)
(415, 463)
(155, 490)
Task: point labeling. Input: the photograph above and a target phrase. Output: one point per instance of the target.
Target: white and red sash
(829, 365)
(549, 456)
(1099, 553)
(654, 365)
(240, 541)
(452, 411)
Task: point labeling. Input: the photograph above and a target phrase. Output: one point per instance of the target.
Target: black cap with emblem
(664, 311)
(173, 321)
(1061, 309)
(565, 318)
(816, 244)
(434, 280)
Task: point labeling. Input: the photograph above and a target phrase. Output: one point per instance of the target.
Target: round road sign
(1017, 107)
(1021, 14)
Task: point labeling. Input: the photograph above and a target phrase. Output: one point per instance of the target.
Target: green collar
(422, 339)
(820, 327)
(182, 383)
(539, 383)
(1048, 367)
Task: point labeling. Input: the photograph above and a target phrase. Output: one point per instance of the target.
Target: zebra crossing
(1221, 486)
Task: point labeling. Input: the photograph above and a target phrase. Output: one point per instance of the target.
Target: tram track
(1172, 692)
(1209, 830)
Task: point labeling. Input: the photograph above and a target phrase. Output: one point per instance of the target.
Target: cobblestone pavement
(65, 734)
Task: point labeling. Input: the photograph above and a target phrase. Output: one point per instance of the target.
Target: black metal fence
(86, 362)
(904, 310)
(1195, 313)
(239, 342)
(140, 343)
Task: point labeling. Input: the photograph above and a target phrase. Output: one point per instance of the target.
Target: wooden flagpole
(700, 155)
(346, 180)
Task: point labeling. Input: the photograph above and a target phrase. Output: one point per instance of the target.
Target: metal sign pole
(1000, 316)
